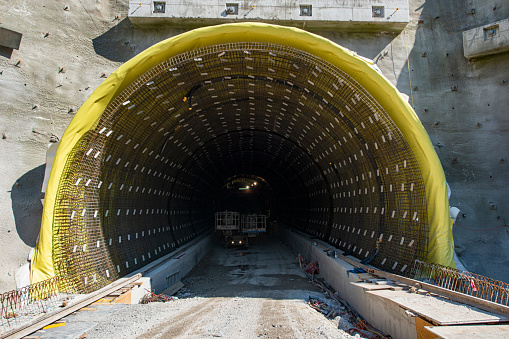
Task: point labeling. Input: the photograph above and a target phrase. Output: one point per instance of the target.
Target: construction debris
(322, 307)
(347, 314)
(312, 268)
(151, 297)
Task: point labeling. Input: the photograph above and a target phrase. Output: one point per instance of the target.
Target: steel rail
(52, 317)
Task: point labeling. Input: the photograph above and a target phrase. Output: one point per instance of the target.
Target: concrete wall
(65, 53)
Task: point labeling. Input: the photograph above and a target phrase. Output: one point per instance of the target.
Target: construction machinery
(237, 229)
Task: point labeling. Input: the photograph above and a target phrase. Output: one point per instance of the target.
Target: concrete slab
(439, 311)
(470, 332)
(173, 288)
(372, 287)
(81, 322)
(486, 40)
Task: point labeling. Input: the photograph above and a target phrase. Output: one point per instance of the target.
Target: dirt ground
(259, 292)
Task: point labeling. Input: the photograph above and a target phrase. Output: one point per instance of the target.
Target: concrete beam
(10, 39)
(486, 40)
(359, 16)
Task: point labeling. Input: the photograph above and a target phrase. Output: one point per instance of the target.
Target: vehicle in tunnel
(253, 224)
(228, 225)
(236, 240)
(236, 228)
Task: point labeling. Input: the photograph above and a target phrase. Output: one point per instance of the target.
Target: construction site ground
(255, 292)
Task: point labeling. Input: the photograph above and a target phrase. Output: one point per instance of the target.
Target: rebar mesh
(23, 305)
(140, 183)
(460, 281)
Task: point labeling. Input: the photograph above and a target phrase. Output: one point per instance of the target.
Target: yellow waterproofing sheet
(440, 237)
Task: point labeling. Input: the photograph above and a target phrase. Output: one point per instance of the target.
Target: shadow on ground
(27, 206)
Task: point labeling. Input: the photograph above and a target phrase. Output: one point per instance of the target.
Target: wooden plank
(470, 332)
(440, 311)
(38, 323)
(365, 276)
(420, 329)
(104, 301)
(124, 298)
(384, 282)
(115, 294)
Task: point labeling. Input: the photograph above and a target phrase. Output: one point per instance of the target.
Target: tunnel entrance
(152, 154)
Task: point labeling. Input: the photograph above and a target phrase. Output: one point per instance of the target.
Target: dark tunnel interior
(178, 143)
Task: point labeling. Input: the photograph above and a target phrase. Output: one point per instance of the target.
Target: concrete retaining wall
(378, 312)
(164, 272)
(388, 305)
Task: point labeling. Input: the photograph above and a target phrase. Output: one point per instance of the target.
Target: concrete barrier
(378, 312)
(168, 270)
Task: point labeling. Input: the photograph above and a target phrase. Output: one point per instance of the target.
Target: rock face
(67, 50)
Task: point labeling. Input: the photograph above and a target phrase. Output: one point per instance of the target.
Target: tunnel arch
(138, 166)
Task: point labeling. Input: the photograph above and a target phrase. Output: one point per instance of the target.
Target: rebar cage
(141, 181)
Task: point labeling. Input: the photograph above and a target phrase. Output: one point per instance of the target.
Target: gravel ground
(258, 292)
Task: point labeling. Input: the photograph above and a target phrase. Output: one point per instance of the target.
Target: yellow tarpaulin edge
(440, 240)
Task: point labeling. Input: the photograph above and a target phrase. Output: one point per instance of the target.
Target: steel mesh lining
(140, 183)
